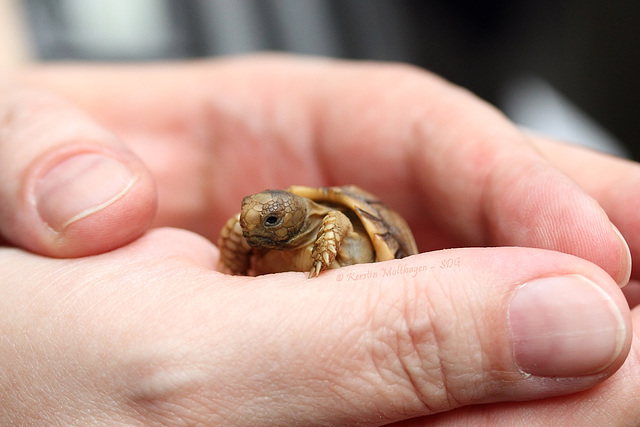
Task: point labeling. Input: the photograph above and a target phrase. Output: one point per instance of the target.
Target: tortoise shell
(389, 232)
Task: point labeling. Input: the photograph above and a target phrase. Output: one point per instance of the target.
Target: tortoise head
(272, 219)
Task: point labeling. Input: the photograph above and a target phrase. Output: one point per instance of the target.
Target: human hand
(211, 133)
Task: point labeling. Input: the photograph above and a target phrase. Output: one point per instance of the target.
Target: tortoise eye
(271, 220)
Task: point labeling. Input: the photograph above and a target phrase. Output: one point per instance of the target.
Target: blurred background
(568, 68)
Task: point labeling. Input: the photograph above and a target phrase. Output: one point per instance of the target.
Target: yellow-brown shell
(389, 232)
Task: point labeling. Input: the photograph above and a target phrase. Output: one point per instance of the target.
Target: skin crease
(162, 360)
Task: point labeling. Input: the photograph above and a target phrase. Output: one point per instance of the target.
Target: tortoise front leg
(235, 253)
(335, 227)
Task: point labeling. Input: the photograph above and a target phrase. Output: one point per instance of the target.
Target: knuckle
(418, 345)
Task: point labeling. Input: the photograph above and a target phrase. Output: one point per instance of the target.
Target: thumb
(377, 343)
(68, 187)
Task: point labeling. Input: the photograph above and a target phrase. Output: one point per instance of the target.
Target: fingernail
(80, 186)
(565, 326)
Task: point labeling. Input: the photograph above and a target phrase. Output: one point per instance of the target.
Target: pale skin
(146, 331)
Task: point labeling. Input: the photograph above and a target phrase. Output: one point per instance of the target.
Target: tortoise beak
(265, 242)
(258, 241)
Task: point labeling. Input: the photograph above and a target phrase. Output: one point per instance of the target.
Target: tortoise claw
(326, 259)
(315, 270)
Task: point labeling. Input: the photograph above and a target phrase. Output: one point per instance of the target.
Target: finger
(371, 344)
(453, 160)
(612, 181)
(211, 132)
(384, 342)
(615, 402)
(68, 187)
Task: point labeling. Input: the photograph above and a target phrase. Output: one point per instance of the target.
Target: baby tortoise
(312, 229)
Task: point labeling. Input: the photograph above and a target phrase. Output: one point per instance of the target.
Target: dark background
(588, 50)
